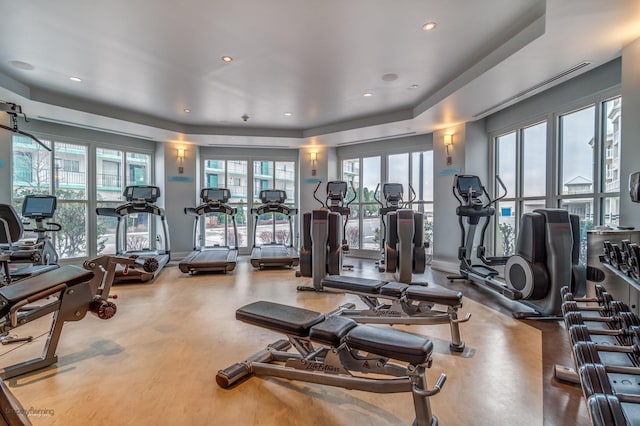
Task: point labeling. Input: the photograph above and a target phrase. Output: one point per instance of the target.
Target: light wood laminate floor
(155, 362)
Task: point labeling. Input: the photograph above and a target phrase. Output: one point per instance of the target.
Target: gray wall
(630, 155)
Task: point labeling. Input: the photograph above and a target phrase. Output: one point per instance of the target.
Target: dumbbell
(580, 334)
(589, 353)
(601, 297)
(607, 410)
(613, 254)
(619, 325)
(634, 260)
(613, 307)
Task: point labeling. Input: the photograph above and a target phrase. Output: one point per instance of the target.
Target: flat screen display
(392, 190)
(469, 184)
(215, 194)
(147, 193)
(39, 206)
(337, 188)
(273, 196)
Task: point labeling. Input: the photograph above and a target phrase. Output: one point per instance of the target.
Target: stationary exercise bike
(546, 258)
(323, 239)
(403, 246)
(38, 208)
(19, 257)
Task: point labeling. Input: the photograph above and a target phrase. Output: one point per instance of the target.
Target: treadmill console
(634, 187)
(39, 206)
(139, 193)
(273, 196)
(468, 186)
(215, 195)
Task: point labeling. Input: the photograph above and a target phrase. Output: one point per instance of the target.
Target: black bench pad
(362, 285)
(332, 330)
(393, 289)
(286, 319)
(69, 275)
(441, 296)
(391, 343)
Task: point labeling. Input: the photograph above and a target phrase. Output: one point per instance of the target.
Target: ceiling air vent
(533, 88)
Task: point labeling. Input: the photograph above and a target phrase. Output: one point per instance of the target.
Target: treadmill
(149, 261)
(273, 254)
(217, 257)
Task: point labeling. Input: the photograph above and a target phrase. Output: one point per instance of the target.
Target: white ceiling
(142, 62)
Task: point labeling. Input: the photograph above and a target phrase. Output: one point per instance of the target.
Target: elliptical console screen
(337, 188)
(392, 191)
(634, 187)
(273, 196)
(39, 206)
(142, 192)
(469, 185)
(221, 195)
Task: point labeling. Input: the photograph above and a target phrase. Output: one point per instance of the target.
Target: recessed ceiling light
(367, 95)
(390, 77)
(187, 110)
(429, 26)
(76, 79)
(21, 65)
(413, 86)
(288, 114)
(227, 58)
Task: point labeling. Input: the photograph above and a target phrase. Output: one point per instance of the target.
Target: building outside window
(586, 170)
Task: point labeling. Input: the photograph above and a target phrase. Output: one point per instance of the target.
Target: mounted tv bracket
(14, 110)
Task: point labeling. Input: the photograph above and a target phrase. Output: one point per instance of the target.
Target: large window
(414, 170)
(218, 229)
(63, 173)
(581, 161)
(110, 167)
(245, 179)
(274, 227)
(521, 166)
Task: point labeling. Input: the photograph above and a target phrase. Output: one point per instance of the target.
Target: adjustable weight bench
(331, 348)
(403, 304)
(68, 292)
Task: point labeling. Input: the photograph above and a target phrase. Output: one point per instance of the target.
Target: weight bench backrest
(11, 228)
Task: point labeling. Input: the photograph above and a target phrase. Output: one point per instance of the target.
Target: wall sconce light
(313, 156)
(448, 142)
(180, 157)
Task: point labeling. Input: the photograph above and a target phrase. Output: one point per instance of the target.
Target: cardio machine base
(481, 280)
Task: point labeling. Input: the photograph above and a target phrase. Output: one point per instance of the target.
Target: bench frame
(335, 366)
(66, 302)
(386, 309)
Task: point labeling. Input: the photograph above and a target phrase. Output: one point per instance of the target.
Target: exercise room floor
(155, 362)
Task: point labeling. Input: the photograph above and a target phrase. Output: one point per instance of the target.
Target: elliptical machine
(403, 247)
(546, 256)
(321, 228)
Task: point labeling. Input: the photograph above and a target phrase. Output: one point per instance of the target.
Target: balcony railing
(70, 178)
(108, 180)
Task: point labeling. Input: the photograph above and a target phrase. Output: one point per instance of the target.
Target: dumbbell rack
(605, 341)
(607, 264)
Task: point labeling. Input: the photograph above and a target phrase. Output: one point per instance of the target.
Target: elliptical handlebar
(315, 191)
(355, 194)
(376, 198)
(495, 200)
(413, 197)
